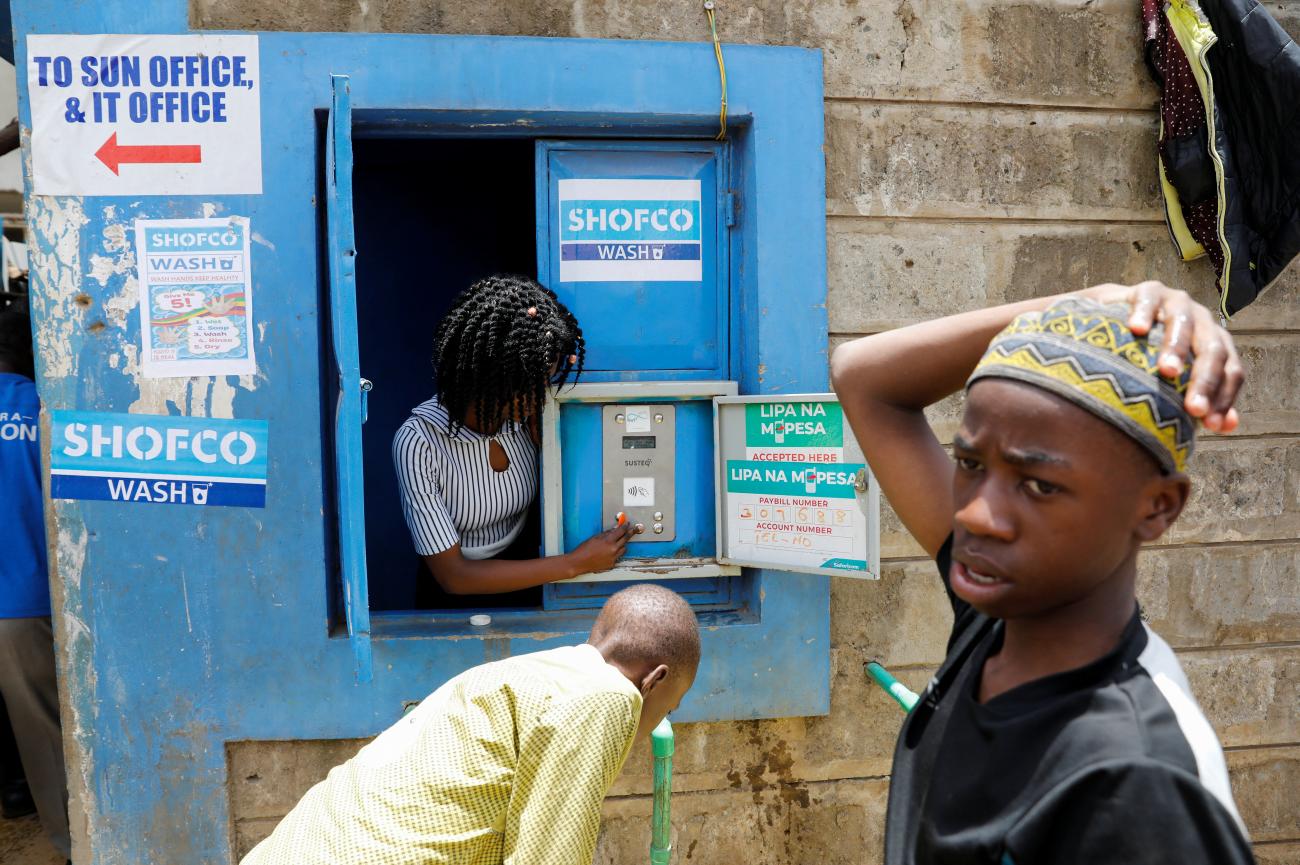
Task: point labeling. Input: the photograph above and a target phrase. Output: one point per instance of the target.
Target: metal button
(659, 418)
(638, 528)
(659, 528)
(658, 516)
(618, 418)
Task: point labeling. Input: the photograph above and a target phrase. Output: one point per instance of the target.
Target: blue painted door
(633, 238)
(635, 244)
(349, 412)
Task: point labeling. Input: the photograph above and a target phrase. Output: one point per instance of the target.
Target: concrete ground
(22, 842)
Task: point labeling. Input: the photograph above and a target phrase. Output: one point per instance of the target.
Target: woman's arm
(458, 575)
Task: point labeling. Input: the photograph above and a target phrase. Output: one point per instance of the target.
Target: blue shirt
(24, 579)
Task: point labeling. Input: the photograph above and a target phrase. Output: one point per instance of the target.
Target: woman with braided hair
(467, 459)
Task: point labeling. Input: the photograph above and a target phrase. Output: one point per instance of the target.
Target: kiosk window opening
(433, 215)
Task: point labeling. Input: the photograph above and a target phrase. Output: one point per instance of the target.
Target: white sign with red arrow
(145, 115)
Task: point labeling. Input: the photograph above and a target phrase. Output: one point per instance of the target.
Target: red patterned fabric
(1182, 115)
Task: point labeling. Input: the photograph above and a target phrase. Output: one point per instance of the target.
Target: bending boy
(1059, 729)
(508, 762)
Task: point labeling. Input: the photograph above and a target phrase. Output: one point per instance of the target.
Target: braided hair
(504, 340)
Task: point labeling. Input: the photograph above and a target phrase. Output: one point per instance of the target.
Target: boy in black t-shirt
(1059, 729)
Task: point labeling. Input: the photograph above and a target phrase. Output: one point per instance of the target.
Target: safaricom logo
(146, 443)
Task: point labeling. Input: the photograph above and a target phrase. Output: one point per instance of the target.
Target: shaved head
(649, 625)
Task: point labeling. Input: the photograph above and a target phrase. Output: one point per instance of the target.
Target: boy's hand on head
(1191, 332)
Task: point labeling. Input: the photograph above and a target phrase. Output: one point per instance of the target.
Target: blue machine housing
(184, 628)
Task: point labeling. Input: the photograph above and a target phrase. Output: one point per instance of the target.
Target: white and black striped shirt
(450, 492)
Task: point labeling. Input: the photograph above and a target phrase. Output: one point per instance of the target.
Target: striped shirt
(450, 492)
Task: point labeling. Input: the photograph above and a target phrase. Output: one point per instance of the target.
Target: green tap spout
(661, 743)
(896, 689)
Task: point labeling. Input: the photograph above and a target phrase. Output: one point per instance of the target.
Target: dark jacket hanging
(1230, 167)
(1256, 71)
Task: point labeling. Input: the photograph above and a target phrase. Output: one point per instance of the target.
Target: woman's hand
(1191, 331)
(601, 552)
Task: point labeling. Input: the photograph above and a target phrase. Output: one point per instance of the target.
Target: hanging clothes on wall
(1229, 149)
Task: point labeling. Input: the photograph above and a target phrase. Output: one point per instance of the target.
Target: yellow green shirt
(506, 763)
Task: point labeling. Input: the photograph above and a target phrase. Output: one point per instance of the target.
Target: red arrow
(113, 154)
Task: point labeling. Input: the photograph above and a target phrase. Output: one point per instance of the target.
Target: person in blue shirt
(27, 678)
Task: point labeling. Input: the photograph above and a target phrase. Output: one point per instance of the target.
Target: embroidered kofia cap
(1083, 351)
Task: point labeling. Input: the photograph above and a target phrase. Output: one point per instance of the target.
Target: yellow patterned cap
(1083, 351)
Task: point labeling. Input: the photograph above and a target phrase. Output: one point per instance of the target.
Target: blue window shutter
(350, 409)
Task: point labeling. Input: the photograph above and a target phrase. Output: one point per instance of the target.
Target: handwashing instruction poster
(196, 305)
(792, 500)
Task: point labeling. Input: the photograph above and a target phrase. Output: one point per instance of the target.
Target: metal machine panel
(638, 467)
(574, 503)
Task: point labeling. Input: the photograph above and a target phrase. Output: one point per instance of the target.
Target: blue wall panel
(184, 628)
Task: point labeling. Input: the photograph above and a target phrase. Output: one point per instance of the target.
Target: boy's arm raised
(885, 381)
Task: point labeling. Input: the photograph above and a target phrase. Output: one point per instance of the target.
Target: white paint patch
(70, 546)
(115, 238)
(199, 392)
(223, 396)
(258, 238)
(159, 395)
(210, 209)
(185, 594)
(101, 268)
(55, 255)
(120, 306)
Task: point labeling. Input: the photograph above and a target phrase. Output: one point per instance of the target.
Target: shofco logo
(193, 239)
(147, 443)
(161, 459)
(634, 219)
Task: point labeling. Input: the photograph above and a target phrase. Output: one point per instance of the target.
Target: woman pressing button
(467, 459)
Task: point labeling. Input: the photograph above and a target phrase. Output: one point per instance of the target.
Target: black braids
(490, 354)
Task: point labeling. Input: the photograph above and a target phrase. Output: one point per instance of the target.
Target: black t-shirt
(1113, 762)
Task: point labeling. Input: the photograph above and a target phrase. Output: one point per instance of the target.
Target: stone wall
(976, 152)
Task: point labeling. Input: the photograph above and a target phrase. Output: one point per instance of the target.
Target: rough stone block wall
(976, 152)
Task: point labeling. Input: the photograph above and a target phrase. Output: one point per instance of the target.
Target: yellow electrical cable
(722, 70)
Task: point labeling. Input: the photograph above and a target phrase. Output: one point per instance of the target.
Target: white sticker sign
(638, 492)
(630, 231)
(196, 297)
(789, 497)
(145, 115)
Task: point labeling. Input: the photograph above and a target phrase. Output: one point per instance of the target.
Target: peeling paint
(257, 238)
(70, 548)
(223, 396)
(55, 224)
(157, 395)
(199, 396)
